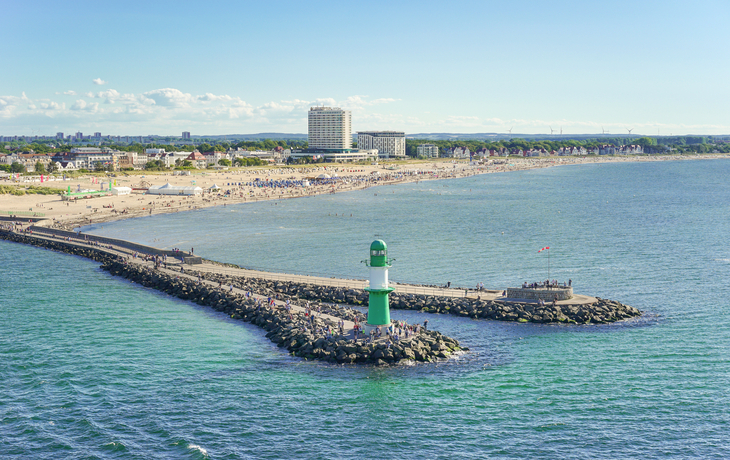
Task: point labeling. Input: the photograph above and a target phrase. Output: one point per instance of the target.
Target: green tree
(205, 148)
(17, 168)
(52, 167)
(154, 165)
(40, 168)
(646, 141)
(224, 162)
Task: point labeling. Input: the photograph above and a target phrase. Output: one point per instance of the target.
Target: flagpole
(548, 264)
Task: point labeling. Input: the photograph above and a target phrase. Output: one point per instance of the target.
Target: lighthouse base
(371, 327)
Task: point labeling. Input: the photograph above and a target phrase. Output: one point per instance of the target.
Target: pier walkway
(125, 248)
(189, 272)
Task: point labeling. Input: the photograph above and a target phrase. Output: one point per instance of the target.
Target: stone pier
(543, 293)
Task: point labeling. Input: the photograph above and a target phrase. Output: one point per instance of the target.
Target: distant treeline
(658, 144)
(45, 146)
(699, 144)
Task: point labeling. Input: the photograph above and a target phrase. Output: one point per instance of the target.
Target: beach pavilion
(168, 189)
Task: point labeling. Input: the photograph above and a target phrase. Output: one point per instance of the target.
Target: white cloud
(169, 97)
(359, 102)
(109, 96)
(168, 110)
(51, 105)
(99, 81)
(384, 100)
(207, 97)
(327, 102)
(79, 105)
(82, 105)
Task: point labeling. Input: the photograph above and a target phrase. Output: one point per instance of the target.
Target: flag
(546, 247)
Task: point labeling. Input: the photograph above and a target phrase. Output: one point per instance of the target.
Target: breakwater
(306, 336)
(600, 312)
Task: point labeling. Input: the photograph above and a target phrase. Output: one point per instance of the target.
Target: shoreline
(70, 215)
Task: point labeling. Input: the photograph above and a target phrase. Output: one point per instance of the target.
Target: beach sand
(68, 215)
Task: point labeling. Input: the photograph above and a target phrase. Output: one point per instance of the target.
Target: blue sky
(237, 67)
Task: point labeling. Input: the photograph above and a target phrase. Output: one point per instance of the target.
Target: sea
(95, 367)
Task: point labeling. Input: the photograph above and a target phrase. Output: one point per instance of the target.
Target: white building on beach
(168, 189)
(330, 128)
(390, 144)
(330, 137)
(427, 150)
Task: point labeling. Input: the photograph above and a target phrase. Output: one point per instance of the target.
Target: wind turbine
(561, 130)
(604, 131)
(551, 130)
(629, 130)
(510, 130)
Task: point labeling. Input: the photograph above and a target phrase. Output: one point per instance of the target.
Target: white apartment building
(171, 158)
(88, 157)
(390, 144)
(330, 128)
(427, 150)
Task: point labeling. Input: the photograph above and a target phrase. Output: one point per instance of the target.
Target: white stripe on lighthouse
(378, 277)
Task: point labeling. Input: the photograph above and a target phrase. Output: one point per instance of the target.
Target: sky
(238, 67)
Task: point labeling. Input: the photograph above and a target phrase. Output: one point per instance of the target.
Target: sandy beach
(68, 215)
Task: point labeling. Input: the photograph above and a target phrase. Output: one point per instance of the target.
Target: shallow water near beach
(93, 366)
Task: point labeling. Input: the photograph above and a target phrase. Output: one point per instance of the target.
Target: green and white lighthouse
(378, 309)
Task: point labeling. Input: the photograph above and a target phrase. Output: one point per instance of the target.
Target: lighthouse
(378, 309)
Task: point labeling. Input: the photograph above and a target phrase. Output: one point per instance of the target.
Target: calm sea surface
(92, 366)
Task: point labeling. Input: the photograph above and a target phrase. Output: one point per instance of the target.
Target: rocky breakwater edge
(301, 336)
(603, 311)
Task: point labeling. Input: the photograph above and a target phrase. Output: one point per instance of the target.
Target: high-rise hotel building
(330, 128)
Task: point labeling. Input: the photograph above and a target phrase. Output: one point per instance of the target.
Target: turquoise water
(95, 367)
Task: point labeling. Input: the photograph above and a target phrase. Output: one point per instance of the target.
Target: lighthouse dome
(378, 245)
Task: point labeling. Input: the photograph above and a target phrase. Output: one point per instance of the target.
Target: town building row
(90, 158)
(432, 151)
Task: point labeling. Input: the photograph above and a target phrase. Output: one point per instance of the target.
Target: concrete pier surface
(174, 266)
(327, 334)
(126, 248)
(328, 293)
